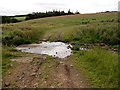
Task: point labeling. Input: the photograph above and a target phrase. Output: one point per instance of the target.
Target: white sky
(16, 7)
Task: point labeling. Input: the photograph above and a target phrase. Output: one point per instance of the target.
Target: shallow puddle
(55, 49)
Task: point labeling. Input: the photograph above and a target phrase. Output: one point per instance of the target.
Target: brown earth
(39, 72)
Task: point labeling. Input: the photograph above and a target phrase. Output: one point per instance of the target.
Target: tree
(35, 15)
(8, 19)
(77, 12)
(69, 12)
(13, 20)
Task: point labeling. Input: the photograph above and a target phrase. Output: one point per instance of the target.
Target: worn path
(39, 72)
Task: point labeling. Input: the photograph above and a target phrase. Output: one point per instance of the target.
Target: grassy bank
(9, 53)
(94, 28)
(99, 66)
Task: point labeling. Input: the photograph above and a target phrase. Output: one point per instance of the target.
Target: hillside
(96, 67)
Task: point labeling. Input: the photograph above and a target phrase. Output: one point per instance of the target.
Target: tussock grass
(64, 28)
(99, 66)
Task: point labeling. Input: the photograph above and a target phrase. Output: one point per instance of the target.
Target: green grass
(7, 54)
(99, 66)
(66, 28)
(86, 34)
(6, 63)
(20, 18)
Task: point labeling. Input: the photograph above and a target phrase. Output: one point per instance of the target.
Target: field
(98, 65)
(20, 18)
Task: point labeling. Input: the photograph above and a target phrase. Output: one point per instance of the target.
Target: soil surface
(40, 72)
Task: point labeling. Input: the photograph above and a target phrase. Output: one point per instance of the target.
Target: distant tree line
(108, 12)
(8, 19)
(34, 15)
(48, 14)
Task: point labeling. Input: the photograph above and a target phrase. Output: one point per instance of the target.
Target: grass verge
(99, 66)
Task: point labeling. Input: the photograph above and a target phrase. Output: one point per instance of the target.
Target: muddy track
(69, 77)
(39, 74)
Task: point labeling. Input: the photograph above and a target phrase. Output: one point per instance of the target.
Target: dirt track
(40, 73)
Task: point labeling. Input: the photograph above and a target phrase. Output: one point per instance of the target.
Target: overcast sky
(16, 7)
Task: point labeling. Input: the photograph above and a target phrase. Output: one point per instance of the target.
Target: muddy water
(55, 49)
